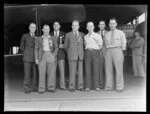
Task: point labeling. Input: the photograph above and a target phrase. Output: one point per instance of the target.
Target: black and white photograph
(75, 57)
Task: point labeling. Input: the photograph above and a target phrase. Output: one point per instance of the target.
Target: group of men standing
(99, 53)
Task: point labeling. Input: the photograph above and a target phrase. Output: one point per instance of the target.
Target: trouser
(102, 69)
(92, 68)
(75, 66)
(138, 67)
(30, 76)
(61, 66)
(47, 67)
(114, 58)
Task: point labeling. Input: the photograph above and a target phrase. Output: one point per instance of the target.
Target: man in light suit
(115, 41)
(45, 55)
(74, 48)
(102, 32)
(60, 37)
(30, 71)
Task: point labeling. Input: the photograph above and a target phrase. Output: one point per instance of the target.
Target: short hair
(77, 21)
(102, 21)
(113, 19)
(137, 32)
(56, 22)
(32, 23)
(46, 25)
(90, 22)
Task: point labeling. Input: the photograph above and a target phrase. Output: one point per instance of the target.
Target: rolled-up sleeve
(123, 41)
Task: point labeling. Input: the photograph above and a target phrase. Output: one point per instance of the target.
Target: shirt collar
(32, 34)
(77, 32)
(46, 36)
(91, 34)
(56, 31)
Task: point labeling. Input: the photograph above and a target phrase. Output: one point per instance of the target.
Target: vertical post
(39, 27)
(36, 16)
(145, 46)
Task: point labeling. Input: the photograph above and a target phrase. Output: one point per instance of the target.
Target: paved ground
(132, 99)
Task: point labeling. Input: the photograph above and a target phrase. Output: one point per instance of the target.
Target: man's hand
(124, 52)
(37, 61)
(61, 46)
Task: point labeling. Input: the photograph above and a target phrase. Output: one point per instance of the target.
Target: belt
(114, 47)
(47, 51)
(91, 49)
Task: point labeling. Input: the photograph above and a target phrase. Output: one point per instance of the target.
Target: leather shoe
(41, 92)
(27, 92)
(81, 89)
(87, 89)
(97, 89)
(71, 90)
(63, 88)
(53, 91)
(119, 91)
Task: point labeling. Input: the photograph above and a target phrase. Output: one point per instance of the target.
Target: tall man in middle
(60, 37)
(93, 45)
(45, 54)
(75, 51)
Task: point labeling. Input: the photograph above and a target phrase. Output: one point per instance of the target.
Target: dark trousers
(102, 69)
(92, 68)
(75, 66)
(30, 76)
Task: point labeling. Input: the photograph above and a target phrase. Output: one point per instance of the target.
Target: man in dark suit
(27, 47)
(60, 37)
(102, 32)
(45, 55)
(75, 51)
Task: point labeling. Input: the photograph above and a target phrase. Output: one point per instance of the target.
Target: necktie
(75, 34)
(56, 34)
(102, 34)
(112, 37)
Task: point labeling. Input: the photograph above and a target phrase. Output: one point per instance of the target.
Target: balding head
(75, 25)
(90, 26)
(32, 27)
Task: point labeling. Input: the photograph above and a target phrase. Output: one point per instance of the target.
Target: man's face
(46, 30)
(75, 26)
(136, 34)
(90, 27)
(112, 24)
(102, 25)
(56, 26)
(32, 28)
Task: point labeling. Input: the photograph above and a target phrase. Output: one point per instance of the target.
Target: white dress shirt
(93, 41)
(46, 43)
(57, 33)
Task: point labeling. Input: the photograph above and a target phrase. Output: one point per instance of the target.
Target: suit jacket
(39, 47)
(27, 47)
(137, 46)
(104, 47)
(61, 34)
(61, 52)
(74, 46)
